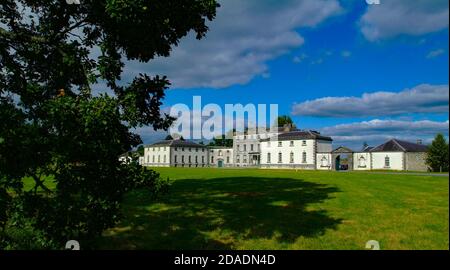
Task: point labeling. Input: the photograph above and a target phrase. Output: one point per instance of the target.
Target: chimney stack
(419, 141)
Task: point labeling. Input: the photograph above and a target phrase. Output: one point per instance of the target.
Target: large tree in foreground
(55, 133)
(437, 156)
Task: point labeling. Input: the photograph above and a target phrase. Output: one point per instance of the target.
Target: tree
(140, 150)
(221, 141)
(283, 120)
(52, 129)
(437, 156)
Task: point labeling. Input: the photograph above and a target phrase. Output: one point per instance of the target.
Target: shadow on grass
(215, 213)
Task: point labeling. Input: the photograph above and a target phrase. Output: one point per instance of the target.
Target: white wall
(324, 161)
(189, 157)
(297, 148)
(157, 156)
(396, 160)
(362, 161)
(224, 154)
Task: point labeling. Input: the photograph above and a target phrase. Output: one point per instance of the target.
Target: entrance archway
(342, 159)
(220, 163)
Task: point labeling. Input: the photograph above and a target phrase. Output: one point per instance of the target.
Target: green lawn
(285, 209)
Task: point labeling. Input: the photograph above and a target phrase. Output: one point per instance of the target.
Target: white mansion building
(286, 149)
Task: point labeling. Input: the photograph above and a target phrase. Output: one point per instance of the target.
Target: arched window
(362, 162)
(268, 158)
(292, 157)
(175, 159)
(280, 157)
(212, 159)
(304, 157)
(387, 162)
(324, 162)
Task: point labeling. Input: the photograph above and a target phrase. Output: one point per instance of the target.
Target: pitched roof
(342, 149)
(395, 145)
(177, 143)
(301, 135)
(367, 149)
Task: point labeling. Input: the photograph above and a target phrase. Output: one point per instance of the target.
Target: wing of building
(284, 149)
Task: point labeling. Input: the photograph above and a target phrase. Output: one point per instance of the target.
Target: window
(176, 148)
(291, 143)
(239, 147)
(259, 147)
(175, 159)
(228, 159)
(292, 158)
(280, 157)
(303, 143)
(196, 159)
(324, 162)
(362, 162)
(251, 147)
(159, 159)
(164, 159)
(280, 144)
(182, 149)
(238, 159)
(268, 158)
(148, 159)
(182, 159)
(153, 159)
(190, 149)
(189, 159)
(245, 148)
(203, 159)
(212, 159)
(304, 157)
(387, 162)
(220, 153)
(196, 149)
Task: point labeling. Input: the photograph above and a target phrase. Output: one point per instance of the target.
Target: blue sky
(354, 71)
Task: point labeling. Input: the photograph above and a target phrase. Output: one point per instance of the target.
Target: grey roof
(177, 143)
(301, 135)
(367, 149)
(395, 145)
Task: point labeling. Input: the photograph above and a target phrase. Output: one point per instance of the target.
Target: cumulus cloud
(435, 53)
(377, 131)
(423, 98)
(404, 17)
(243, 37)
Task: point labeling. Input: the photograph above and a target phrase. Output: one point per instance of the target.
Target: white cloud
(423, 98)
(243, 37)
(397, 17)
(346, 54)
(298, 59)
(435, 53)
(377, 131)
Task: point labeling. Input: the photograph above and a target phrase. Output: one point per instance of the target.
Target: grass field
(284, 209)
